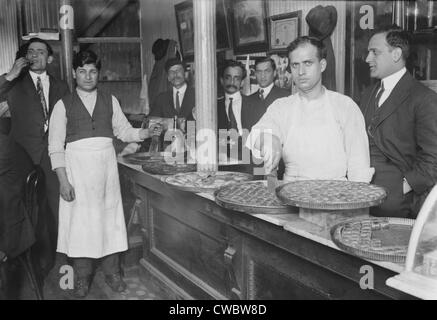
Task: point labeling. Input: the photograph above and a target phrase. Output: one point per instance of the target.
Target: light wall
(8, 34)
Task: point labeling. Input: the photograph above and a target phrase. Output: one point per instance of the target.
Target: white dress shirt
(236, 108)
(181, 91)
(45, 84)
(389, 83)
(267, 90)
(58, 126)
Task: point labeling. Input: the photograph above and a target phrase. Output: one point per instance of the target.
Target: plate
(205, 181)
(331, 194)
(382, 239)
(251, 197)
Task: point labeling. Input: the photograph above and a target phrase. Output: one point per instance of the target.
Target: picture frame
(185, 25)
(283, 29)
(249, 26)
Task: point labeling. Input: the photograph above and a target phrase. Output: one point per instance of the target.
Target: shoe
(115, 282)
(81, 288)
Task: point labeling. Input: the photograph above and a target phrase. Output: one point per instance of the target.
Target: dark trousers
(83, 267)
(397, 204)
(46, 233)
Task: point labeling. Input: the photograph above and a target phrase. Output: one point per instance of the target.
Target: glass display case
(419, 277)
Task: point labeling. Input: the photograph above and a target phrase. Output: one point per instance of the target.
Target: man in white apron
(91, 219)
(320, 134)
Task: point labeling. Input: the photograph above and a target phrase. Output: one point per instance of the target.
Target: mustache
(231, 87)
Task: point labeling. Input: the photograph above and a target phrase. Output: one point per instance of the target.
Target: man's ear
(323, 65)
(74, 73)
(50, 59)
(396, 54)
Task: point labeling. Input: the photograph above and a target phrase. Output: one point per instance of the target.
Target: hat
(173, 62)
(159, 48)
(321, 21)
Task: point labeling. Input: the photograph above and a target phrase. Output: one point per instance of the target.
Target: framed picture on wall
(283, 29)
(249, 26)
(185, 24)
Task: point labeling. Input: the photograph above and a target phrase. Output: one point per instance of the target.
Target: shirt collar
(235, 96)
(267, 89)
(390, 81)
(86, 94)
(181, 89)
(43, 76)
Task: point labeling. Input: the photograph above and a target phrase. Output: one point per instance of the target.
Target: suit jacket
(250, 113)
(26, 111)
(406, 131)
(16, 231)
(163, 105)
(274, 94)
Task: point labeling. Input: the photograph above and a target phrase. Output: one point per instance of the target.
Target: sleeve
(423, 173)
(123, 130)
(274, 121)
(57, 135)
(356, 145)
(5, 86)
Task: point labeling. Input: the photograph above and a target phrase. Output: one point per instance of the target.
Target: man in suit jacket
(401, 121)
(265, 72)
(234, 110)
(179, 101)
(31, 94)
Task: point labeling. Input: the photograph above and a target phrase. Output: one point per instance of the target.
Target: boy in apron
(91, 219)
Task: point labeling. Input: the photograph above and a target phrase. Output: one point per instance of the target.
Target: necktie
(178, 104)
(261, 94)
(379, 94)
(40, 91)
(232, 120)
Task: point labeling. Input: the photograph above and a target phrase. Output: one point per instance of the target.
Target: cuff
(57, 160)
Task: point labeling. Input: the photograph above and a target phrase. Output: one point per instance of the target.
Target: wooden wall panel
(8, 34)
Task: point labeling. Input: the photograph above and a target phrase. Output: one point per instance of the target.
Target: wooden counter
(202, 251)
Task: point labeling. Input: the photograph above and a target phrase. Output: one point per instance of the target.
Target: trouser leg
(111, 264)
(83, 267)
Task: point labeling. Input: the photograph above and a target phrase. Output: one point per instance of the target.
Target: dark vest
(80, 125)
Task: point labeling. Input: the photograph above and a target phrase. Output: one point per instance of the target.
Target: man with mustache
(320, 134)
(401, 120)
(180, 100)
(236, 113)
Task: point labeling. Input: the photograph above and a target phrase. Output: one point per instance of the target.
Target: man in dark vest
(180, 100)
(401, 121)
(91, 218)
(31, 94)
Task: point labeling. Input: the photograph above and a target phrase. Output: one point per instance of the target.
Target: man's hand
(154, 130)
(16, 69)
(271, 151)
(67, 191)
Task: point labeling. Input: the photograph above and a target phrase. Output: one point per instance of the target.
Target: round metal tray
(140, 158)
(205, 181)
(331, 194)
(382, 239)
(251, 197)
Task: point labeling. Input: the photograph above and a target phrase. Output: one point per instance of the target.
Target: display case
(419, 277)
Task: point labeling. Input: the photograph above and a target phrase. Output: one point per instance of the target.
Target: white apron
(314, 147)
(93, 224)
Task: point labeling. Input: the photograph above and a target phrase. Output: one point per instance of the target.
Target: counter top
(289, 222)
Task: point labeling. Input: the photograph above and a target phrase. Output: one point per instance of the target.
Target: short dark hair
(86, 57)
(396, 37)
(232, 64)
(173, 62)
(266, 59)
(303, 40)
(48, 46)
